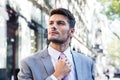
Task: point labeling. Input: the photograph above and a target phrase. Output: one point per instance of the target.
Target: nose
(54, 26)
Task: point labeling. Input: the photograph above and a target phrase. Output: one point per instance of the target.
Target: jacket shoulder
(82, 56)
(37, 55)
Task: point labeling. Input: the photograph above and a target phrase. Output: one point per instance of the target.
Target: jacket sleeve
(51, 78)
(93, 70)
(25, 72)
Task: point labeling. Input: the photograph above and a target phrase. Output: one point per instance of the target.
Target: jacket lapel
(46, 59)
(78, 65)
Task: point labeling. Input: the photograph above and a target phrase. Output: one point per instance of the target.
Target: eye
(51, 22)
(61, 23)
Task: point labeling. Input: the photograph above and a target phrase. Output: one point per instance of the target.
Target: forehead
(57, 17)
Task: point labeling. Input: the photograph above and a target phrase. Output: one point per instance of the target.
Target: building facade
(23, 29)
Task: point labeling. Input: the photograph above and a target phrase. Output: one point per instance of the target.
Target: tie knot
(62, 55)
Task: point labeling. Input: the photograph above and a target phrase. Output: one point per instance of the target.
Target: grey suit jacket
(40, 67)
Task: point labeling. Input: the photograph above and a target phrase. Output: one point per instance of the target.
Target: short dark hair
(65, 12)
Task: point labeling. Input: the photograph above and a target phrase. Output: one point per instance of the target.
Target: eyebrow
(58, 21)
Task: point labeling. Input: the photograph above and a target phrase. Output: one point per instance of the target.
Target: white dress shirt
(54, 56)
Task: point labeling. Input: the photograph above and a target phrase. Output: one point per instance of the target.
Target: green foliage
(103, 1)
(112, 10)
(114, 50)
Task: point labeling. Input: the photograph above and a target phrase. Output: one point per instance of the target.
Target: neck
(59, 47)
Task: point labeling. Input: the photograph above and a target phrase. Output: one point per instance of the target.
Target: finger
(70, 65)
(65, 59)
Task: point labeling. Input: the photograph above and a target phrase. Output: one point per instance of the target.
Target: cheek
(66, 34)
(64, 30)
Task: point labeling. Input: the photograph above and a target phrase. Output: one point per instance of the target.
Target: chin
(56, 41)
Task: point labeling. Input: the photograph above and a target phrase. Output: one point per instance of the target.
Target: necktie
(62, 55)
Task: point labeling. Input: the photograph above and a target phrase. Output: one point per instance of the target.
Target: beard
(59, 41)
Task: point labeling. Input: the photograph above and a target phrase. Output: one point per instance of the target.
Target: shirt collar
(55, 54)
(67, 51)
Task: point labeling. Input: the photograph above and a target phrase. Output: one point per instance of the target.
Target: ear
(72, 30)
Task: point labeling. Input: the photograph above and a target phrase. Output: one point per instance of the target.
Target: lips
(53, 32)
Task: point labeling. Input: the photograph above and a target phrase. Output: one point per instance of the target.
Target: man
(48, 64)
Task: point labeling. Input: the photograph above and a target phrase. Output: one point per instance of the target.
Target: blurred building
(23, 25)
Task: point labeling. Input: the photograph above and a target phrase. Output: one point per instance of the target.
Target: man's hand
(62, 69)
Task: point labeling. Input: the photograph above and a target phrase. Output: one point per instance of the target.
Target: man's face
(58, 29)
